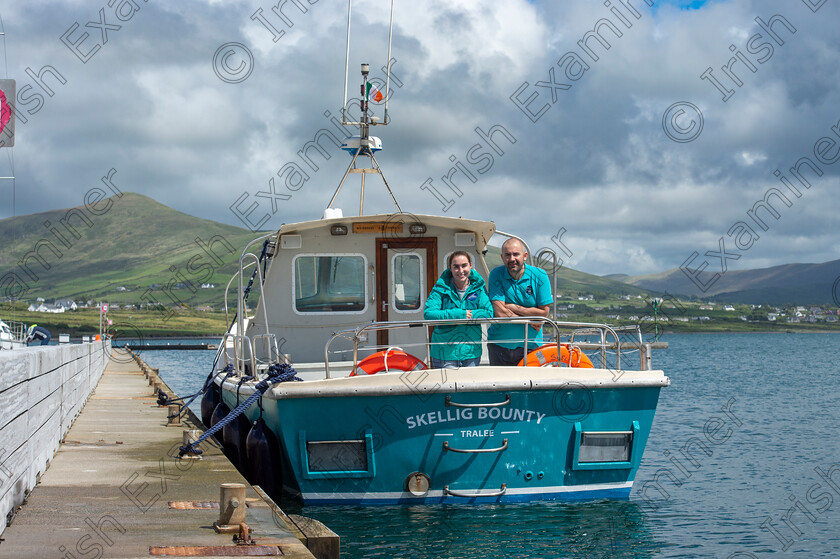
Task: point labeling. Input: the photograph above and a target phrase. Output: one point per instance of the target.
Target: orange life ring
(389, 360)
(546, 356)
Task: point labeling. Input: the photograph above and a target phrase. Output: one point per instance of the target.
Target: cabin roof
(483, 229)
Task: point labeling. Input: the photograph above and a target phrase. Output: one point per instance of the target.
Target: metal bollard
(189, 436)
(174, 415)
(231, 504)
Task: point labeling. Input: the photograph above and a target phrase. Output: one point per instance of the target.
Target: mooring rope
(276, 373)
(163, 398)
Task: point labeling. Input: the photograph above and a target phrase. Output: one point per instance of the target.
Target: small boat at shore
(12, 335)
(332, 367)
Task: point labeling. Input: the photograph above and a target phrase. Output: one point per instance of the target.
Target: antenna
(385, 119)
(364, 144)
(388, 66)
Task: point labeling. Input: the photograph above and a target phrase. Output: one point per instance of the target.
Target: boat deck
(112, 484)
(467, 379)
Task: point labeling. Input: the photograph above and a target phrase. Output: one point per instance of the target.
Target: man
(516, 289)
(36, 333)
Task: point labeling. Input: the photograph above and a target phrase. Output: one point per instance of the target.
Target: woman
(459, 293)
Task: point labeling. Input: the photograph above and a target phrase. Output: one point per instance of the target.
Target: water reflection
(615, 529)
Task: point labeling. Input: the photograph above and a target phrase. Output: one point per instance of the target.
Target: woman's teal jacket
(458, 341)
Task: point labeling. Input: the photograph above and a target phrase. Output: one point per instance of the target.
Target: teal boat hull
(461, 447)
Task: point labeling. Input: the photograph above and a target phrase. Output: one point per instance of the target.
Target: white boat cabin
(340, 273)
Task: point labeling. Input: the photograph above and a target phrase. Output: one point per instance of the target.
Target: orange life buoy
(389, 360)
(546, 356)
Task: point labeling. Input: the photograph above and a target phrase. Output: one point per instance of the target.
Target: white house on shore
(68, 304)
(46, 307)
(58, 307)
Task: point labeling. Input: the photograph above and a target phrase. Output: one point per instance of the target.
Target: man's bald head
(514, 243)
(514, 255)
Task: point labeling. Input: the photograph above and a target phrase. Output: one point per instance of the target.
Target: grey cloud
(597, 163)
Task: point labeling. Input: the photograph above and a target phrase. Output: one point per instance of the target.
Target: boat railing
(541, 257)
(555, 335)
(241, 308)
(240, 352)
(634, 343)
(227, 290)
(251, 355)
(272, 352)
(16, 334)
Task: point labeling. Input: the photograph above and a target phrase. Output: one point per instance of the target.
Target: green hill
(133, 243)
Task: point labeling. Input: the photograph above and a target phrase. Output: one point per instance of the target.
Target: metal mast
(364, 144)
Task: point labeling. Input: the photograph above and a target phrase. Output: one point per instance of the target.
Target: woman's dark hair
(458, 253)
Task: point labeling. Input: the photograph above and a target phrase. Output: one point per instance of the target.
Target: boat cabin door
(405, 272)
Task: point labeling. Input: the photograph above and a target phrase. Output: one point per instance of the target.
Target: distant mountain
(802, 284)
(130, 242)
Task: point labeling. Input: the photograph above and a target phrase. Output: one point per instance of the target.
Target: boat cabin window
(408, 281)
(330, 283)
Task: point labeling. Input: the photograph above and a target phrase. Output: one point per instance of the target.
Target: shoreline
(149, 325)
(668, 333)
(672, 333)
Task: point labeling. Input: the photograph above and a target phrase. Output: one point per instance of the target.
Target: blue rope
(256, 269)
(164, 399)
(276, 373)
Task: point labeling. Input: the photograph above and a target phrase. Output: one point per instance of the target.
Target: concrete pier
(117, 489)
(42, 390)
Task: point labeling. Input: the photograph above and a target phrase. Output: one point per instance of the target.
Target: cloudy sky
(200, 104)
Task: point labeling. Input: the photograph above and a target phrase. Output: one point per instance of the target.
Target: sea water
(735, 468)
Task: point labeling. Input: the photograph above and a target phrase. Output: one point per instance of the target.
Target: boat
(307, 364)
(12, 335)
